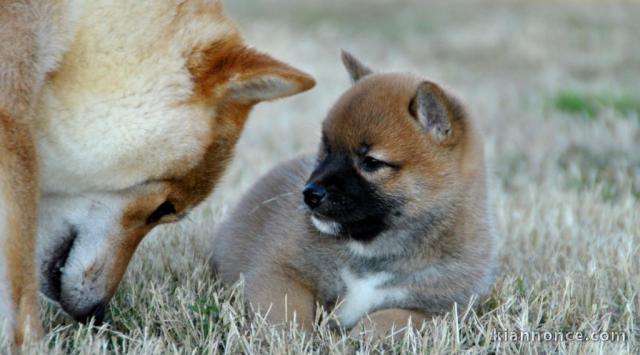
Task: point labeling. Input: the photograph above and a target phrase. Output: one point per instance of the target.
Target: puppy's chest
(363, 293)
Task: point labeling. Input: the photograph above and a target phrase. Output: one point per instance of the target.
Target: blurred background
(555, 85)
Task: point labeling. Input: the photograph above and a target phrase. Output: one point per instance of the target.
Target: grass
(589, 105)
(569, 251)
(608, 171)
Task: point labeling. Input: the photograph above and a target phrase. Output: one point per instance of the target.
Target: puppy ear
(356, 69)
(263, 78)
(430, 110)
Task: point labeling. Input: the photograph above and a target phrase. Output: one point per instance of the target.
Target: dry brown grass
(566, 167)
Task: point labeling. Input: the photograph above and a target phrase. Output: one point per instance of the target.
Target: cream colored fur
(110, 123)
(119, 119)
(134, 95)
(365, 294)
(46, 28)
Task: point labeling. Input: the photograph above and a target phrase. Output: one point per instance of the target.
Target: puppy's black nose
(314, 195)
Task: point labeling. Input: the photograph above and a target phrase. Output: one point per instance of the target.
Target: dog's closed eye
(371, 164)
(165, 209)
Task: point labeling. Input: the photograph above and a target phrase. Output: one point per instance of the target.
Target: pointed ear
(356, 69)
(430, 110)
(262, 78)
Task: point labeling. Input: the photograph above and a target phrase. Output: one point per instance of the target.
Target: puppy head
(394, 148)
(136, 137)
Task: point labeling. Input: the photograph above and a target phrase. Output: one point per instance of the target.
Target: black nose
(314, 195)
(52, 269)
(97, 313)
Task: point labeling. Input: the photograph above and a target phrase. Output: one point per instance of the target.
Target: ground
(554, 87)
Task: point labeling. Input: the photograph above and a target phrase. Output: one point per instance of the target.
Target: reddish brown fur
(212, 69)
(230, 59)
(18, 167)
(19, 89)
(439, 178)
(419, 154)
(185, 191)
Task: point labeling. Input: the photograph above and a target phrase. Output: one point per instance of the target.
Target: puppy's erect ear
(430, 109)
(263, 78)
(356, 69)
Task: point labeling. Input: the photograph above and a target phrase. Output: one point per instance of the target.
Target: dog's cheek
(122, 255)
(409, 197)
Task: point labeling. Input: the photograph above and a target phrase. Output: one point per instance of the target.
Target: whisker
(273, 199)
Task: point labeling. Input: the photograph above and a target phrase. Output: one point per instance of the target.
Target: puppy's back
(262, 225)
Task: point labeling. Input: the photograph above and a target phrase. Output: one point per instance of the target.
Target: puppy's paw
(387, 323)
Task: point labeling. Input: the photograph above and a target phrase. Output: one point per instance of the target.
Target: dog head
(395, 151)
(134, 129)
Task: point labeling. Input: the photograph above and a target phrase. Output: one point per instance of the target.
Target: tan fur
(282, 299)
(188, 190)
(18, 180)
(377, 324)
(58, 57)
(269, 238)
(24, 63)
(213, 67)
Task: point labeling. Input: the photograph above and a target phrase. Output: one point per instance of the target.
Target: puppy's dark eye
(165, 209)
(371, 164)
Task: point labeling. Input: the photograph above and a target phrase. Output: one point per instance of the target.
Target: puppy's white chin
(326, 227)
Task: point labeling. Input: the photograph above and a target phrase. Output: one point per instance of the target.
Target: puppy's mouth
(326, 226)
(362, 230)
(54, 267)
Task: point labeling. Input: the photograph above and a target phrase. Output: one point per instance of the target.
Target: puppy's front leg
(383, 322)
(281, 300)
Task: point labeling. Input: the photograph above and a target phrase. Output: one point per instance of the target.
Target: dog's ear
(261, 78)
(356, 69)
(429, 108)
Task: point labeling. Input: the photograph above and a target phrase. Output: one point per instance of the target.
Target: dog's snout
(314, 194)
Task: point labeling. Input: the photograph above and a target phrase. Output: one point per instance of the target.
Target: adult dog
(115, 116)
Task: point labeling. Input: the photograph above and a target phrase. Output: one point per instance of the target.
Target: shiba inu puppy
(389, 220)
(134, 109)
